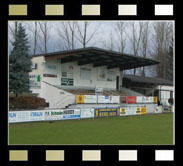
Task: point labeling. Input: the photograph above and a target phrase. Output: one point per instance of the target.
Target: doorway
(117, 82)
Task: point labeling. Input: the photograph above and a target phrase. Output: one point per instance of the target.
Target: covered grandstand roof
(100, 57)
(150, 80)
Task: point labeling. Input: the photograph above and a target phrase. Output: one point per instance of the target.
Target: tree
(163, 33)
(45, 28)
(66, 31)
(170, 62)
(83, 36)
(120, 29)
(135, 39)
(110, 43)
(19, 63)
(145, 40)
(35, 34)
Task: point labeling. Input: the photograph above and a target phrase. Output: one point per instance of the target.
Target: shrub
(170, 100)
(26, 102)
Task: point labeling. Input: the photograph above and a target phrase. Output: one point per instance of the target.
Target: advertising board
(25, 116)
(128, 111)
(105, 112)
(53, 114)
(80, 99)
(90, 99)
(71, 114)
(143, 110)
(109, 99)
(131, 99)
(145, 99)
(158, 110)
(87, 113)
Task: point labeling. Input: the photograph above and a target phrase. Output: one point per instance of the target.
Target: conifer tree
(19, 63)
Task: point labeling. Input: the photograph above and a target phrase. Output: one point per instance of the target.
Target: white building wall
(78, 82)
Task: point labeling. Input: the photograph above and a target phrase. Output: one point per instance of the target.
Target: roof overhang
(100, 57)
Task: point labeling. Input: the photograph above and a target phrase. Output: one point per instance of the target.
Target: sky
(101, 38)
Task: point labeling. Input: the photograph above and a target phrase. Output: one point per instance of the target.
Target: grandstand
(60, 76)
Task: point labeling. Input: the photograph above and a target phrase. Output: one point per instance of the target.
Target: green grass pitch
(146, 129)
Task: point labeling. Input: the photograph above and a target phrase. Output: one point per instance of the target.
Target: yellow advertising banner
(80, 99)
(143, 110)
(155, 99)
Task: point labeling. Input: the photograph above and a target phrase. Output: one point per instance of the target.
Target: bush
(26, 102)
(170, 100)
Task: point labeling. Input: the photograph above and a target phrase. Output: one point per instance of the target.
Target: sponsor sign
(87, 113)
(155, 99)
(26, 116)
(105, 112)
(166, 109)
(67, 81)
(158, 109)
(122, 111)
(151, 108)
(35, 80)
(108, 99)
(138, 110)
(144, 99)
(90, 99)
(128, 111)
(143, 110)
(131, 99)
(71, 114)
(80, 99)
(53, 114)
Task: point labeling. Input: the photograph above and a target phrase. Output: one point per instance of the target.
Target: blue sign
(71, 116)
(36, 114)
(12, 115)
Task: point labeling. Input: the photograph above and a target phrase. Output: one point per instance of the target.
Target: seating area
(105, 93)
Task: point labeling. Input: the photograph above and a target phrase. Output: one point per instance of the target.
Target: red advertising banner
(131, 99)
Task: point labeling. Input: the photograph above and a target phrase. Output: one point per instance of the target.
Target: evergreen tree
(19, 63)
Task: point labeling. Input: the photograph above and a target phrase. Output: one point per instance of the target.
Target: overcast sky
(102, 35)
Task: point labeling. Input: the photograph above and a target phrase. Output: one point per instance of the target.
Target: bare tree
(145, 40)
(109, 44)
(83, 36)
(163, 33)
(34, 30)
(13, 28)
(66, 31)
(135, 39)
(45, 28)
(120, 29)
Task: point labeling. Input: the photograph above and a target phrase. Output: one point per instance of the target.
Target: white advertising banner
(103, 99)
(26, 116)
(53, 114)
(158, 109)
(114, 99)
(151, 108)
(90, 99)
(108, 99)
(128, 111)
(87, 113)
(144, 99)
(71, 114)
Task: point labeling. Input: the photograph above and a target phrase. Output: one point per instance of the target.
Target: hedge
(26, 102)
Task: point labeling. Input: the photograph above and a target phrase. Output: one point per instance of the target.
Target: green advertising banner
(67, 81)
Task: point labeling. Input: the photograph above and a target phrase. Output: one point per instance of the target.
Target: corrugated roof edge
(92, 48)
